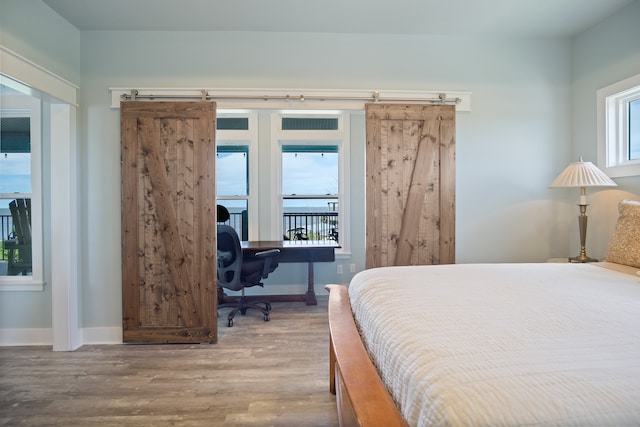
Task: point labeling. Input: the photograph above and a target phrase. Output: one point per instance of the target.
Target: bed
(492, 344)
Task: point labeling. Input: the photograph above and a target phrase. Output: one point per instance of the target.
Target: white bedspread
(504, 344)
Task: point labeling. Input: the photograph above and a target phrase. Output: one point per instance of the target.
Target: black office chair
(236, 273)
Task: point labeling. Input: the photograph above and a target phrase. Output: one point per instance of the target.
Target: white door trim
(61, 94)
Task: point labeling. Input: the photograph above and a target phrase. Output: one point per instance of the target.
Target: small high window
(619, 128)
(634, 130)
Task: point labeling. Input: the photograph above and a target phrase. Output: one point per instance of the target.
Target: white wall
(601, 56)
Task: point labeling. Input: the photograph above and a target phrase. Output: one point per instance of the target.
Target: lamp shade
(582, 174)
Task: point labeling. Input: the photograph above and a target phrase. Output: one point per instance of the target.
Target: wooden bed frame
(361, 397)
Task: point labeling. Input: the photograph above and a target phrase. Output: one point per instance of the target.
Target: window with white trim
(302, 192)
(619, 128)
(311, 157)
(236, 133)
(21, 263)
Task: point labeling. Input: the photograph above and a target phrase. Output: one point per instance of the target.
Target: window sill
(622, 171)
(11, 284)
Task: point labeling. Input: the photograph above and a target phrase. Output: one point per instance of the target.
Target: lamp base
(582, 258)
(582, 222)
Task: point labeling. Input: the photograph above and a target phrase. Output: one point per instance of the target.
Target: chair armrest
(10, 244)
(224, 256)
(270, 252)
(268, 257)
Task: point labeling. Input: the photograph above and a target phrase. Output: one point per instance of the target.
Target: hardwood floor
(258, 374)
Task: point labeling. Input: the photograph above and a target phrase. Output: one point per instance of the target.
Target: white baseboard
(44, 336)
(106, 335)
(26, 336)
(113, 335)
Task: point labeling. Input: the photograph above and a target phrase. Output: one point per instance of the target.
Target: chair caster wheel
(266, 317)
(230, 323)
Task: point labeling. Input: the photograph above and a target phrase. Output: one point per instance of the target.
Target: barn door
(410, 184)
(168, 222)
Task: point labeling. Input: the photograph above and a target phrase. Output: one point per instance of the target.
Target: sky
(303, 173)
(15, 175)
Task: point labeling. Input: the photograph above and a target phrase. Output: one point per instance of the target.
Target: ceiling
(528, 18)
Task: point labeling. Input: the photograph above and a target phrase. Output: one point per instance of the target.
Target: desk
(309, 251)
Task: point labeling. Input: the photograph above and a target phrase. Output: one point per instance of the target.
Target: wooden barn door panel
(168, 222)
(410, 184)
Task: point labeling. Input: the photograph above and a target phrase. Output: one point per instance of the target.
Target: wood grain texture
(168, 221)
(410, 184)
(373, 193)
(131, 204)
(258, 374)
(447, 190)
(361, 397)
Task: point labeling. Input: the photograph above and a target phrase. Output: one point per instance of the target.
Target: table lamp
(582, 174)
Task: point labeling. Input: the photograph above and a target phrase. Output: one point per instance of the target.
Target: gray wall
(533, 102)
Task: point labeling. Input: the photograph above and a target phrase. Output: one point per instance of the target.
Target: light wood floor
(258, 374)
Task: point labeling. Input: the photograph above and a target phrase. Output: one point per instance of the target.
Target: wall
(509, 148)
(26, 28)
(603, 55)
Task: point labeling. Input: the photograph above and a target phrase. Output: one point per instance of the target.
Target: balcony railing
(6, 226)
(310, 226)
(295, 226)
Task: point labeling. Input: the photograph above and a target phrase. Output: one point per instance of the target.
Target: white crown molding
(36, 77)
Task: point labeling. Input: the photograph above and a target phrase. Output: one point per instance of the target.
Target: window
(310, 196)
(287, 178)
(311, 157)
(232, 181)
(235, 134)
(20, 191)
(619, 128)
(634, 129)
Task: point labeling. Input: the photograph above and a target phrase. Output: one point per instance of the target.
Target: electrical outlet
(352, 268)
(339, 268)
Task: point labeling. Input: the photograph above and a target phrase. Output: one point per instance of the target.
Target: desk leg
(311, 294)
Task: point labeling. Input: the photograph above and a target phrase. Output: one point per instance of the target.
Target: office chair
(237, 273)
